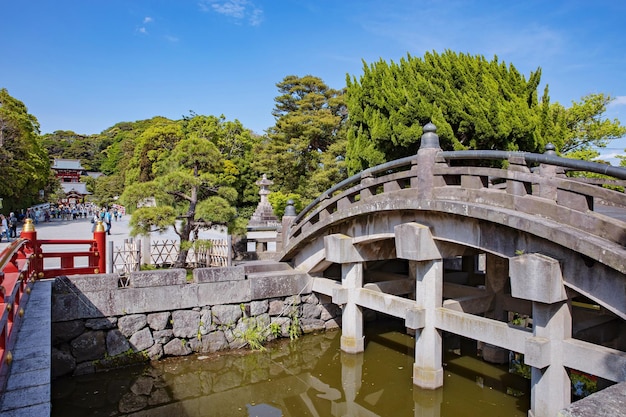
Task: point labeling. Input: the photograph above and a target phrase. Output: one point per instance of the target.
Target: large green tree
(306, 138)
(475, 104)
(188, 194)
(578, 131)
(236, 145)
(24, 162)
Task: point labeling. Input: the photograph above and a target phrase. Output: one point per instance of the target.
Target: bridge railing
(538, 175)
(22, 263)
(17, 273)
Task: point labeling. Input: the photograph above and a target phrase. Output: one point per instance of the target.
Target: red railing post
(99, 235)
(29, 232)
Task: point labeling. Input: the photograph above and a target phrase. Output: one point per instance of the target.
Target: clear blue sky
(85, 65)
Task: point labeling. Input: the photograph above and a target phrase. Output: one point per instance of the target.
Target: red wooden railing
(22, 263)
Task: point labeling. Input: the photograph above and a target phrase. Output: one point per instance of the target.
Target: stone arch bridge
(450, 244)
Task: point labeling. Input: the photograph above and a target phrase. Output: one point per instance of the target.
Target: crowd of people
(62, 212)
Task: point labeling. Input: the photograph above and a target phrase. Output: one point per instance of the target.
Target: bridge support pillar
(428, 369)
(538, 278)
(352, 339)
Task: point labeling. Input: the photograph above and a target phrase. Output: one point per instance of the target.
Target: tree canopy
(301, 149)
(187, 175)
(475, 104)
(24, 161)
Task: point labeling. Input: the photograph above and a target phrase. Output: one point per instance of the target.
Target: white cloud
(618, 101)
(237, 9)
(142, 30)
(147, 19)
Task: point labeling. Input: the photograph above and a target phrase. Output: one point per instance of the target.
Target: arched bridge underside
(463, 250)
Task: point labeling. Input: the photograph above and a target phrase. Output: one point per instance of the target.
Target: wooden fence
(129, 256)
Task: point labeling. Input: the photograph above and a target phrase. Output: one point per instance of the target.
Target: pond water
(309, 376)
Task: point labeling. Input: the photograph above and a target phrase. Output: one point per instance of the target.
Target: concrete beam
(593, 359)
(325, 286)
(537, 277)
(470, 304)
(485, 330)
(342, 249)
(385, 303)
(395, 287)
(415, 243)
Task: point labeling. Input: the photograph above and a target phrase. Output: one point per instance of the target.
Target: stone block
(415, 318)
(537, 352)
(415, 243)
(340, 295)
(265, 266)
(229, 273)
(85, 283)
(537, 277)
(270, 285)
(151, 299)
(216, 293)
(338, 248)
(156, 278)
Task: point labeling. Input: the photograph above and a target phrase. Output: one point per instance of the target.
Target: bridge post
(538, 278)
(547, 190)
(426, 159)
(29, 232)
(99, 235)
(340, 249)
(415, 243)
(352, 338)
(287, 221)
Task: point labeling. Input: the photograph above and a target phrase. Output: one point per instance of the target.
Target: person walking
(12, 225)
(107, 221)
(4, 228)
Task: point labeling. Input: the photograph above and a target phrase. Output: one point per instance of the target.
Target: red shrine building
(69, 171)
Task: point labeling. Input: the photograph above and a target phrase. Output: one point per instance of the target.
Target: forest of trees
(202, 169)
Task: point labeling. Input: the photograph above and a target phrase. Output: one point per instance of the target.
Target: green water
(306, 377)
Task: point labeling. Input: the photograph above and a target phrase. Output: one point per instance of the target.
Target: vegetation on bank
(201, 170)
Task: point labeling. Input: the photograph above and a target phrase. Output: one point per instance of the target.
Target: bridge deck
(28, 388)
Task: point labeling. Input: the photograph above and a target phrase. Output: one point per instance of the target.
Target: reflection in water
(306, 377)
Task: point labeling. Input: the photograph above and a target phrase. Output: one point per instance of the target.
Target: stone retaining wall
(98, 324)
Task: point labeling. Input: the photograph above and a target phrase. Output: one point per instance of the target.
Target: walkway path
(28, 389)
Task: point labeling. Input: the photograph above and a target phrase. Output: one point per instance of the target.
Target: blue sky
(85, 65)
